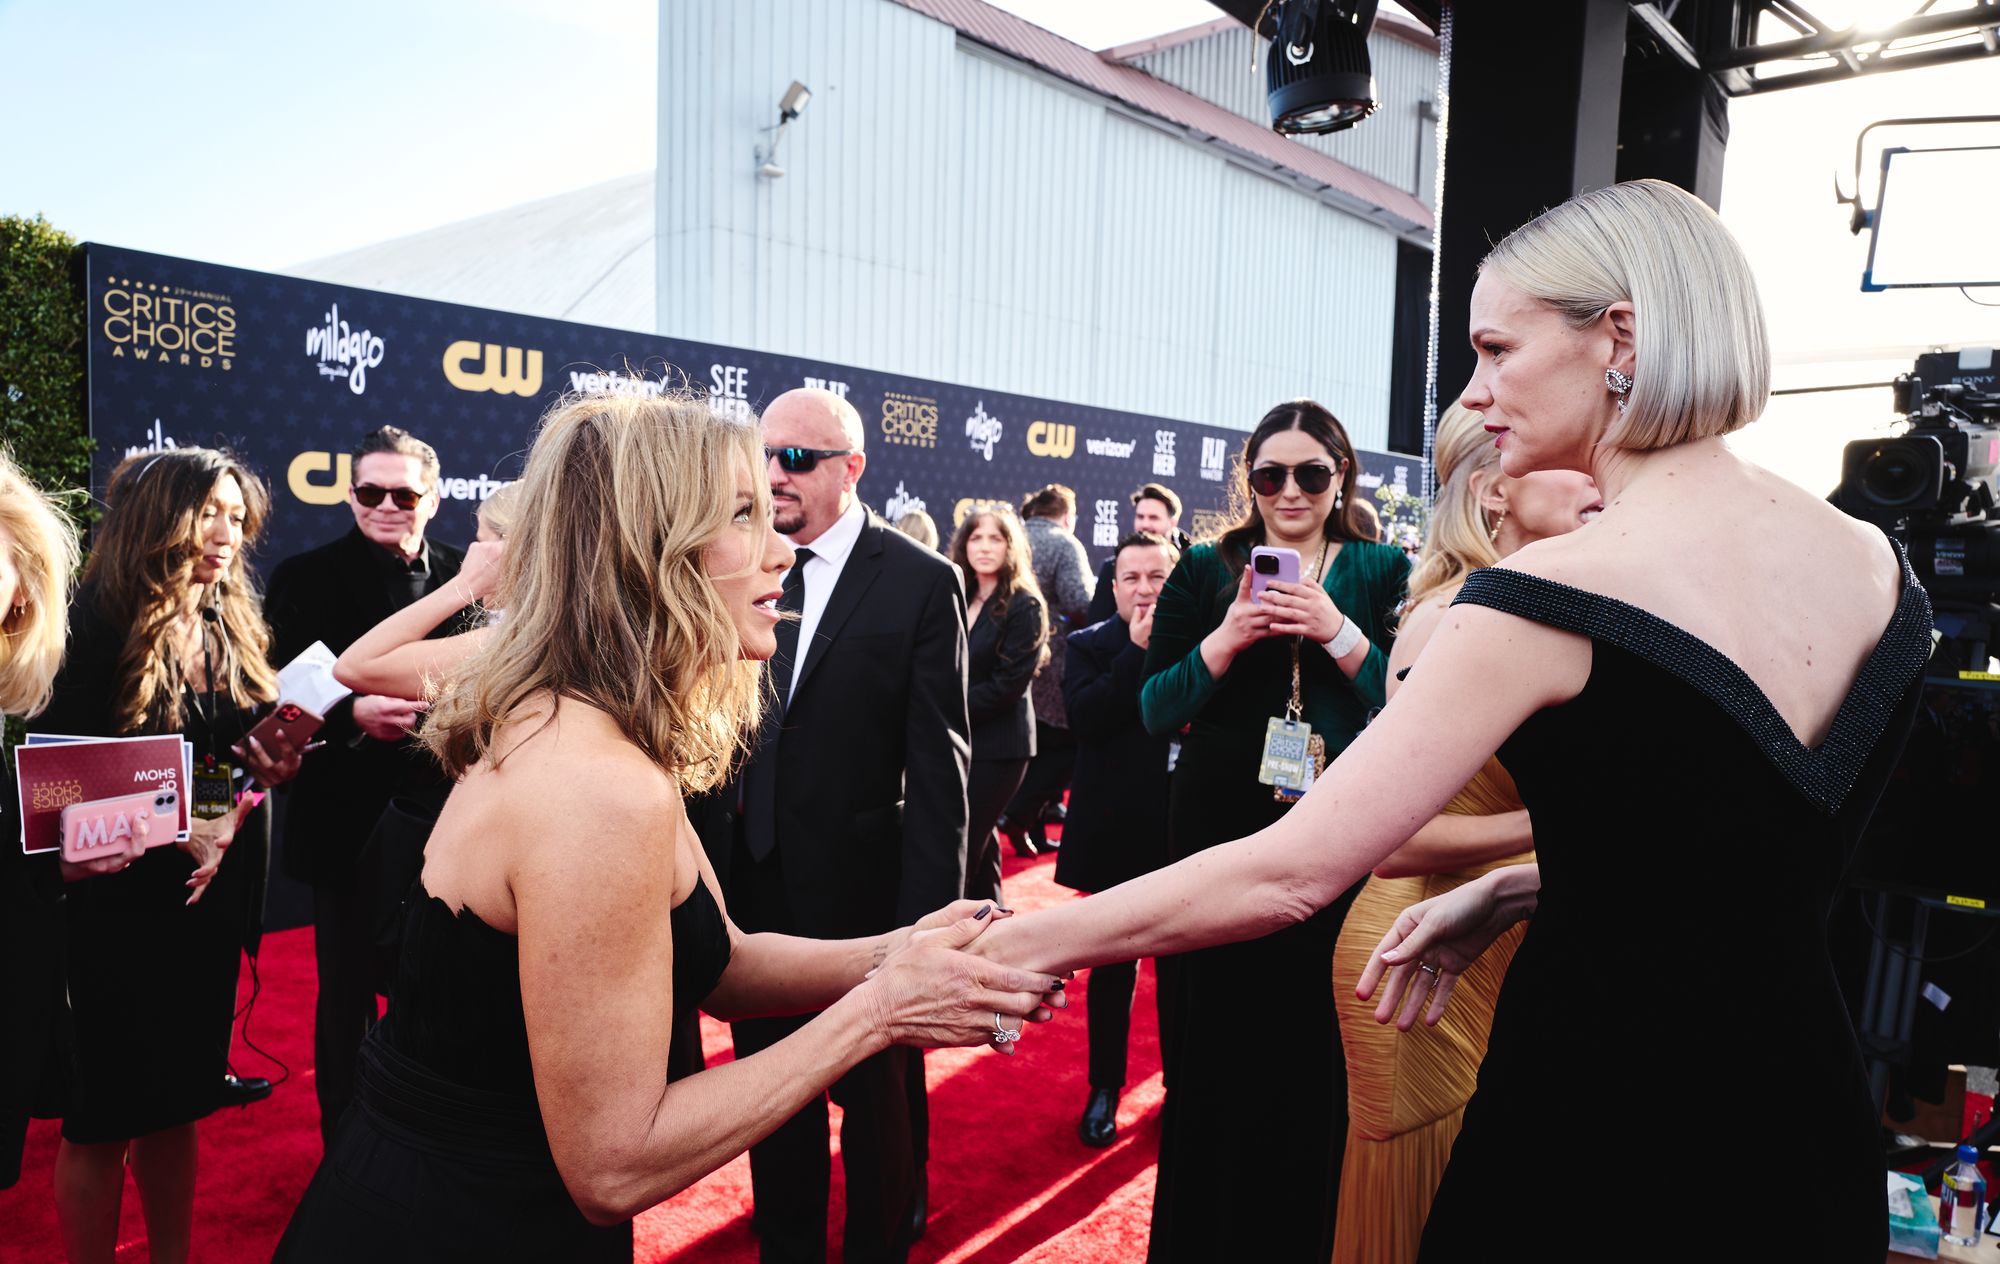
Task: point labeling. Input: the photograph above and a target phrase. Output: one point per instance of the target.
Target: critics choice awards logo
(982, 431)
(910, 420)
(344, 351)
(166, 324)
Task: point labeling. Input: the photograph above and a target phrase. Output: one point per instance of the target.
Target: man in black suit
(335, 593)
(1155, 511)
(1117, 826)
(850, 817)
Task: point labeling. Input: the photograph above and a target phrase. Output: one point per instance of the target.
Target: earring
(1618, 384)
(1493, 533)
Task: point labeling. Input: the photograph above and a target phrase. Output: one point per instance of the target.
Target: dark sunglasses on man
(802, 460)
(369, 496)
(1313, 477)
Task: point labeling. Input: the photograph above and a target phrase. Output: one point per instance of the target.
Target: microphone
(211, 614)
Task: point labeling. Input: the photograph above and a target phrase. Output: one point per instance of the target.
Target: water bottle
(1963, 1205)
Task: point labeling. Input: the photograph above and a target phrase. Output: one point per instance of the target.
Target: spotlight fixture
(1318, 74)
(790, 106)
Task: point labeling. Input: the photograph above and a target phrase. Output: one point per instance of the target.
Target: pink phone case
(109, 827)
(1282, 567)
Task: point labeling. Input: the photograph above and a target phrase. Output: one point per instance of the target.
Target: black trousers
(884, 1130)
(987, 788)
(344, 953)
(1048, 775)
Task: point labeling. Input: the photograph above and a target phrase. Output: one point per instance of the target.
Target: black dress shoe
(241, 1090)
(1016, 838)
(1100, 1118)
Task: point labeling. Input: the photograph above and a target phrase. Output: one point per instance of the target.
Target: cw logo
(306, 464)
(501, 373)
(971, 504)
(1046, 438)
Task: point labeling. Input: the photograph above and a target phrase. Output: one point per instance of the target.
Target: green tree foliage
(42, 417)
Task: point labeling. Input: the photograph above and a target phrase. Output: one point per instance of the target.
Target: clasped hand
(931, 992)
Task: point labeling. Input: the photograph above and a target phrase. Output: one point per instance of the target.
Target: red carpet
(1009, 1180)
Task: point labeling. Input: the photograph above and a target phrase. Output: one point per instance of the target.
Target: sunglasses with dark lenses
(1313, 477)
(802, 460)
(370, 496)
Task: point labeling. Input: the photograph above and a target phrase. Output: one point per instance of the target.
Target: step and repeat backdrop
(290, 372)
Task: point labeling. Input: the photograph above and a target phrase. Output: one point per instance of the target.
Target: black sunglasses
(802, 460)
(1313, 477)
(405, 497)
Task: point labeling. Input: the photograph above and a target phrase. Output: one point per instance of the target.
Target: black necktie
(759, 803)
(792, 600)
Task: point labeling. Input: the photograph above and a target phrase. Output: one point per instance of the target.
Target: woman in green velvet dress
(1256, 1105)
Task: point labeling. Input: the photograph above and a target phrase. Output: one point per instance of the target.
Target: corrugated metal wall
(1395, 144)
(951, 213)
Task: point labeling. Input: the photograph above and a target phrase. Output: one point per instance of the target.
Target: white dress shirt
(830, 549)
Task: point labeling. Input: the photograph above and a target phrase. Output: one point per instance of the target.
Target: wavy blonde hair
(608, 595)
(1702, 363)
(41, 541)
(1460, 539)
(141, 575)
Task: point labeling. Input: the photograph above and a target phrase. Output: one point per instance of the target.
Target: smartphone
(289, 720)
(109, 827)
(1269, 566)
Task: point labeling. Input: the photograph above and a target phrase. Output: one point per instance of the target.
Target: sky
(265, 135)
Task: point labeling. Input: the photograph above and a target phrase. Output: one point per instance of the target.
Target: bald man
(850, 818)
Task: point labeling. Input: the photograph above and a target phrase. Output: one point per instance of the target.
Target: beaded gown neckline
(1821, 774)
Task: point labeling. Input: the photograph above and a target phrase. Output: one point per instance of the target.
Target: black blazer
(1117, 823)
(334, 594)
(868, 791)
(1004, 653)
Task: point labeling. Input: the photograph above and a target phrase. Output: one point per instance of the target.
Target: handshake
(932, 987)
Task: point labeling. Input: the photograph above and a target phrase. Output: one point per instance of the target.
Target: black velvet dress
(151, 980)
(1676, 965)
(443, 1154)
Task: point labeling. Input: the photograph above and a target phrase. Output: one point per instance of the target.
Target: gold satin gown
(1406, 1091)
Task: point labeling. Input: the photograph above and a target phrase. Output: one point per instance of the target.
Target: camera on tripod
(1934, 485)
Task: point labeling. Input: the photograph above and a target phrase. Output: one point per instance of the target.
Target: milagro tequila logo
(982, 430)
(344, 351)
(902, 503)
(157, 440)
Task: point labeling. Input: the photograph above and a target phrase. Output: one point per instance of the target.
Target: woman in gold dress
(1406, 1092)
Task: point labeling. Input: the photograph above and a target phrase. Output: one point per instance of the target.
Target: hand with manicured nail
(930, 993)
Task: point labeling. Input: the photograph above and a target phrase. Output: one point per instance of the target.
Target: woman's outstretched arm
(1484, 673)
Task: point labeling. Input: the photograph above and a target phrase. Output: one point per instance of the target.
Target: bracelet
(1345, 640)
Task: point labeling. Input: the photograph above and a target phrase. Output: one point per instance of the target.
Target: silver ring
(1001, 1035)
(1428, 968)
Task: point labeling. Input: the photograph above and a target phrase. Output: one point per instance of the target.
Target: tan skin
(90, 1178)
(393, 659)
(1536, 506)
(1153, 517)
(1293, 519)
(1136, 580)
(986, 554)
(1766, 545)
(582, 880)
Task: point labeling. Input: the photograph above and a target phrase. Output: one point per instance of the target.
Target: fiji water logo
(982, 430)
(344, 351)
(1214, 459)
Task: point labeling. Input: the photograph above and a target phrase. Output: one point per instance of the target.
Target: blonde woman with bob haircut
(38, 554)
(1699, 698)
(514, 1104)
(1406, 1093)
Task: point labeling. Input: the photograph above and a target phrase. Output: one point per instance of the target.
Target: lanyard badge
(1293, 754)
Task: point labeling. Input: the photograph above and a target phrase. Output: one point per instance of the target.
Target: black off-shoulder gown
(1676, 965)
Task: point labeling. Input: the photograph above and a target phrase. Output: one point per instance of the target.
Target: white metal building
(972, 199)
